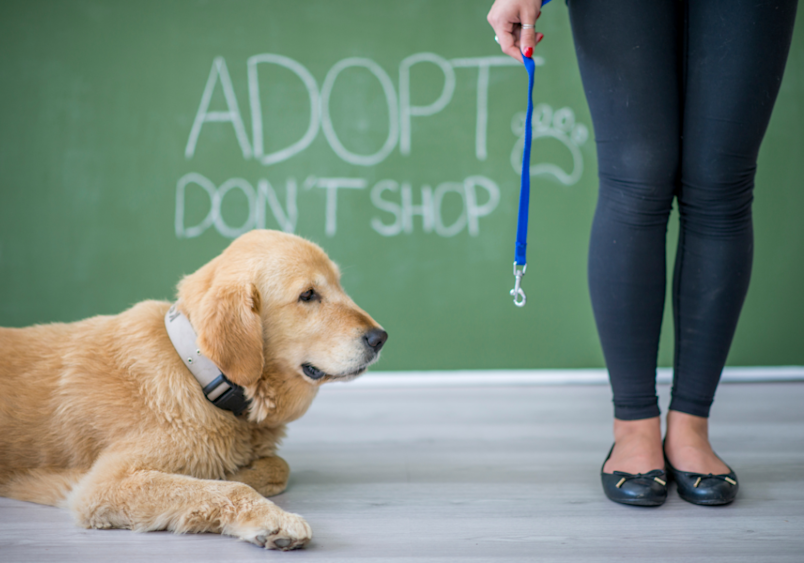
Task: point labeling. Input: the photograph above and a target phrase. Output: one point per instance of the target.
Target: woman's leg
(628, 53)
(735, 58)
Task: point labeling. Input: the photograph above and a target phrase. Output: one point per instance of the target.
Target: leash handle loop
(520, 258)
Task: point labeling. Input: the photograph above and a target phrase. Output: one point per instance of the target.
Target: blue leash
(520, 261)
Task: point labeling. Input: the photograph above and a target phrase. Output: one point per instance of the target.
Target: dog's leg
(116, 496)
(267, 475)
(42, 486)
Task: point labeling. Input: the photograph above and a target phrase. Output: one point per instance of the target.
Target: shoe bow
(655, 474)
(701, 476)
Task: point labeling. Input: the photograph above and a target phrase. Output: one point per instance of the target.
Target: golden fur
(101, 416)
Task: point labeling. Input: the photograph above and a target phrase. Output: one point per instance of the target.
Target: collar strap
(216, 387)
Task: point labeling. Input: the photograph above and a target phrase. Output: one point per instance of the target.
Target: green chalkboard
(137, 138)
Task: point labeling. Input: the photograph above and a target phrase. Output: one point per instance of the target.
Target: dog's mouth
(312, 372)
(315, 374)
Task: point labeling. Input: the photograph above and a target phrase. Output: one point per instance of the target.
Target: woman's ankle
(687, 444)
(638, 446)
(650, 428)
(686, 430)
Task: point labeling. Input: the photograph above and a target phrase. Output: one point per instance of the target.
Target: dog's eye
(309, 295)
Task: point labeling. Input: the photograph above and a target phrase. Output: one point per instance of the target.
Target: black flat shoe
(642, 489)
(704, 489)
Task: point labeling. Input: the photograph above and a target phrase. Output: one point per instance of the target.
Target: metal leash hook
(517, 293)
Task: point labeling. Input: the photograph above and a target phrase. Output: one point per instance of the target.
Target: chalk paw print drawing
(559, 125)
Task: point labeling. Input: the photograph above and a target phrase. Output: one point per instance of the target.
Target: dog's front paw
(268, 475)
(276, 529)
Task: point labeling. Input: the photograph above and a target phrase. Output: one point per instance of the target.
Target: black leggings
(680, 94)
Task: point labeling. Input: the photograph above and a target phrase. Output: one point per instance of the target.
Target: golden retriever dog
(105, 417)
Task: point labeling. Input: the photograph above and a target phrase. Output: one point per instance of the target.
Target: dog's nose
(375, 339)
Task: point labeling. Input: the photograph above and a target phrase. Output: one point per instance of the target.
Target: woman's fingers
(514, 21)
(509, 43)
(503, 17)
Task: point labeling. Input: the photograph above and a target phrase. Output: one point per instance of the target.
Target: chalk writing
(256, 108)
(218, 73)
(403, 212)
(559, 125)
(393, 200)
(265, 194)
(430, 208)
(406, 111)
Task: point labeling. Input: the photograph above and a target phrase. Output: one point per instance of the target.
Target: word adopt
(399, 106)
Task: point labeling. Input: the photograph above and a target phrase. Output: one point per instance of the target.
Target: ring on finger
(528, 26)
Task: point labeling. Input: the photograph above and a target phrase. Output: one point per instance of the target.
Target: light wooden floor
(483, 474)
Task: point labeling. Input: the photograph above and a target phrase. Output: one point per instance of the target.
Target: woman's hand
(507, 18)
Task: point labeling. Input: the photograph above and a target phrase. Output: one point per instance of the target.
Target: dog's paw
(267, 475)
(272, 489)
(276, 529)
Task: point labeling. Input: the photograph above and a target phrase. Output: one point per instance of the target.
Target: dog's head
(271, 307)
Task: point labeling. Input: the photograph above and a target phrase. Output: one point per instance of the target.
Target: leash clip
(517, 293)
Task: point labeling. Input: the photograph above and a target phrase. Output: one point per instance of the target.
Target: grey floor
(483, 474)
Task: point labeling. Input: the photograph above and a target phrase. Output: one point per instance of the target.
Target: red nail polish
(539, 37)
(529, 51)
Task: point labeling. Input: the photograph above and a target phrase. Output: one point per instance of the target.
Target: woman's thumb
(527, 41)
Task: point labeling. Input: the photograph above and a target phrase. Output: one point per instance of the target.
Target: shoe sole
(637, 502)
(706, 502)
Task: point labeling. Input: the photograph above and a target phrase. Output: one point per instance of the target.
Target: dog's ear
(229, 326)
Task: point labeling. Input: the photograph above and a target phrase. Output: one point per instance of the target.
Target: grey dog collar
(217, 388)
